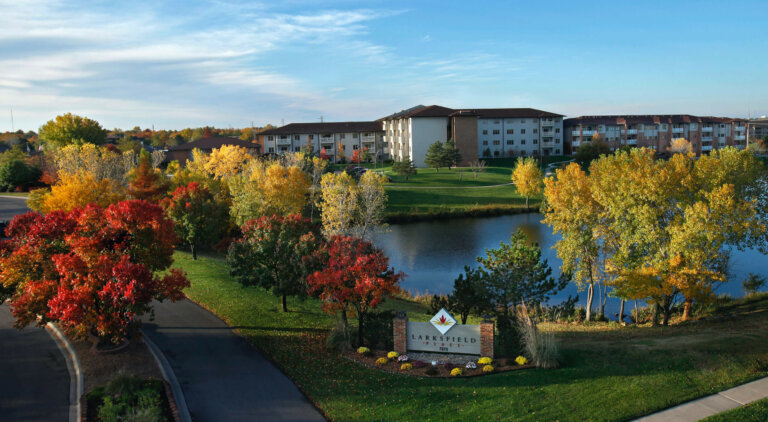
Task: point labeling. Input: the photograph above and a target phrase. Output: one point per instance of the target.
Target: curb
(170, 378)
(75, 372)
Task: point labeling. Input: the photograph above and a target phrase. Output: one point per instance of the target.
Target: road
(11, 206)
(222, 376)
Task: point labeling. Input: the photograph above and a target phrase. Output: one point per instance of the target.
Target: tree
(477, 166)
(199, 218)
(227, 161)
(271, 254)
(527, 177)
(268, 188)
(340, 156)
(451, 154)
(590, 151)
(372, 201)
(469, 293)
(680, 146)
(366, 156)
(324, 154)
(68, 128)
(753, 283)
(319, 166)
(355, 274)
(76, 190)
(146, 182)
(435, 156)
(355, 157)
(338, 203)
(17, 174)
(92, 269)
(514, 273)
(404, 167)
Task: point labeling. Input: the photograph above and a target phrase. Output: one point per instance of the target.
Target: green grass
(612, 374)
(19, 194)
(753, 412)
(451, 201)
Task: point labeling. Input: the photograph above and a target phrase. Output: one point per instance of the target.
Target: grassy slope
(753, 412)
(611, 374)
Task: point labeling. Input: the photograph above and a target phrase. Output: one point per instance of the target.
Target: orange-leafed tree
(324, 154)
(146, 182)
(355, 157)
(355, 275)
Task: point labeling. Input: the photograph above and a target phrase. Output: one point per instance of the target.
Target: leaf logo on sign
(443, 321)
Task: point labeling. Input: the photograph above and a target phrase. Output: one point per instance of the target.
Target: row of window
(522, 131)
(522, 141)
(488, 153)
(325, 135)
(510, 121)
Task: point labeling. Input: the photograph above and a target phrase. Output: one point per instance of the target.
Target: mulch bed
(393, 366)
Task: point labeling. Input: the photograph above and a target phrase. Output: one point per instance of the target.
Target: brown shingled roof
(326, 127)
(213, 142)
(503, 113)
(644, 119)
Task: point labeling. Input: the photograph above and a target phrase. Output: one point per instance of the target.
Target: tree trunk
(621, 311)
(360, 318)
(637, 313)
(344, 318)
(194, 251)
(526, 202)
(655, 318)
(687, 309)
(667, 310)
(285, 303)
(590, 298)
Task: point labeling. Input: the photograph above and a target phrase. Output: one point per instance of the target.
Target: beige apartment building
(327, 136)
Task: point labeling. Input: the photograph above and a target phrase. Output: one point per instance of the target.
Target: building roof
(213, 142)
(326, 127)
(440, 111)
(646, 119)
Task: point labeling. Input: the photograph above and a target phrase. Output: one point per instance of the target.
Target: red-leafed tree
(199, 217)
(271, 254)
(355, 157)
(92, 269)
(324, 154)
(147, 183)
(356, 274)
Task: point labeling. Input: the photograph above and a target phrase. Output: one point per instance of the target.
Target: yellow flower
(393, 355)
(487, 368)
(521, 360)
(363, 350)
(406, 367)
(484, 361)
(455, 372)
(381, 361)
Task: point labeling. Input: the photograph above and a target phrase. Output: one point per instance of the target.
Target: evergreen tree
(435, 156)
(404, 167)
(451, 154)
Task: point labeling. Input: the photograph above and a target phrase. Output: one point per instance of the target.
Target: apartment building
(656, 131)
(326, 136)
(758, 128)
(477, 133)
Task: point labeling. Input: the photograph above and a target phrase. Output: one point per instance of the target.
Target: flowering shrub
(393, 355)
(406, 367)
(471, 365)
(402, 358)
(419, 364)
(363, 350)
(484, 361)
(521, 360)
(455, 372)
(382, 361)
(487, 369)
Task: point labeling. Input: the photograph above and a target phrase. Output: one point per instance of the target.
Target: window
(496, 122)
(522, 131)
(535, 141)
(496, 131)
(522, 120)
(283, 136)
(485, 142)
(510, 142)
(557, 130)
(296, 137)
(495, 153)
(354, 147)
(557, 151)
(296, 149)
(522, 142)
(497, 142)
(510, 131)
(283, 149)
(557, 140)
(485, 132)
(311, 136)
(535, 131)
(271, 150)
(342, 136)
(270, 138)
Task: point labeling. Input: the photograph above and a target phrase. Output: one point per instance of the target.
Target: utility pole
(13, 129)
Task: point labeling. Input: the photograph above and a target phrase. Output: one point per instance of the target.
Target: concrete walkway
(223, 378)
(712, 405)
(34, 380)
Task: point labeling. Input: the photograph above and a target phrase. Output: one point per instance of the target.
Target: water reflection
(433, 254)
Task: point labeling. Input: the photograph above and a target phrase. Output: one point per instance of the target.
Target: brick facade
(399, 328)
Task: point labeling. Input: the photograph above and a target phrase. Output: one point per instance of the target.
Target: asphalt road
(223, 378)
(34, 381)
(11, 206)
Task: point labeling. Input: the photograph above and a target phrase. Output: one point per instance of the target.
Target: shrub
(406, 367)
(432, 371)
(487, 369)
(521, 360)
(17, 174)
(363, 351)
(753, 283)
(541, 347)
(378, 330)
(393, 355)
(485, 361)
(381, 361)
(455, 372)
(129, 399)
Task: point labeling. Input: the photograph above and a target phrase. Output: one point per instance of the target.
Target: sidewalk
(712, 405)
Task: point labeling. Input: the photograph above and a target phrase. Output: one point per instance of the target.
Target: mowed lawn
(609, 373)
(437, 200)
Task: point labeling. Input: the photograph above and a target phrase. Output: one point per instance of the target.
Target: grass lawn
(611, 373)
(403, 201)
(753, 412)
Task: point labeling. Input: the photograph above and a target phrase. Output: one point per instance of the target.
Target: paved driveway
(223, 377)
(11, 206)
(34, 381)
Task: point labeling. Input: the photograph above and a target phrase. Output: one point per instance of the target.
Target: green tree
(404, 167)
(753, 283)
(590, 151)
(435, 156)
(199, 218)
(451, 154)
(16, 173)
(68, 128)
(469, 293)
(271, 255)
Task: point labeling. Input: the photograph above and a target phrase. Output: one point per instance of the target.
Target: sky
(194, 63)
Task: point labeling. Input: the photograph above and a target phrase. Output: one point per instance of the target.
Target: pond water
(433, 254)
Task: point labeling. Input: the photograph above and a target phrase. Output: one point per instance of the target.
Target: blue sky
(197, 63)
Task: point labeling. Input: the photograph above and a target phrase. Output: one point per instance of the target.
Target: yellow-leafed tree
(680, 146)
(268, 189)
(76, 190)
(527, 177)
(338, 203)
(227, 161)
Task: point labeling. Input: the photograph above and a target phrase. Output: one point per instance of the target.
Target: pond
(434, 253)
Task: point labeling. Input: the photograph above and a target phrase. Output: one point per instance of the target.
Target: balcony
(281, 141)
(547, 140)
(706, 147)
(739, 138)
(678, 130)
(575, 133)
(707, 129)
(588, 132)
(576, 143)
(632, 141)
(631, 131)
(368, 139)
(706, 138)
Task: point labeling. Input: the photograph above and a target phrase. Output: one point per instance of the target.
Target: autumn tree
(680, 146)
(371, 203)
(146, 182)
(589, 151)
(199, 218)
(271, 254)
(93, 270)
(76, 190)
(435, 156)
(527, 177)
(404, 167)
(69, 128)
(268, 188)
(338, 203)
(227, 161)
(318, 168)
(355, 157)
(355, 275)
(324, 154)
